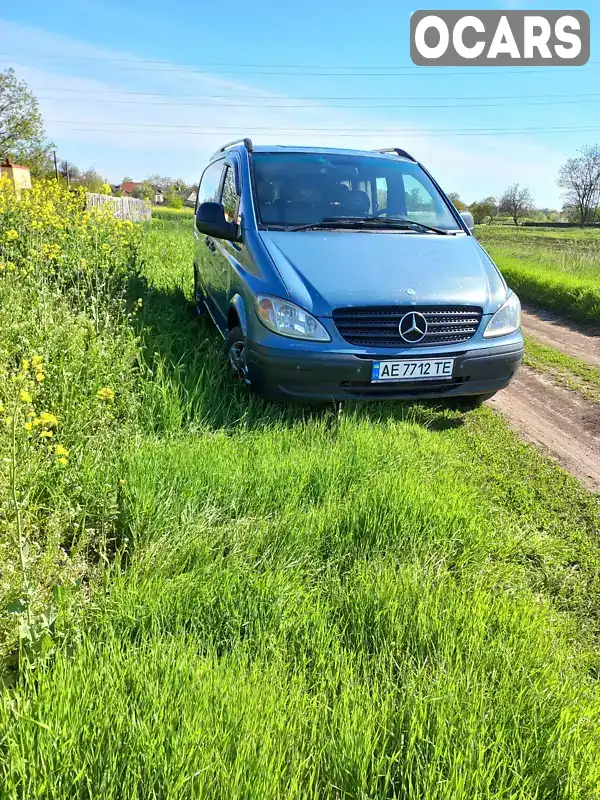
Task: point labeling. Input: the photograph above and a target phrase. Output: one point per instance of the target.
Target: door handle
(210, 244)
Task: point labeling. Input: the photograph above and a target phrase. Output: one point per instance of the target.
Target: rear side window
(230, 197)
(208, 191)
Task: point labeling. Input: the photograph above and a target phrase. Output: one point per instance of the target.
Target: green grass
(570, 372)
(163, 212)
(266, 602)
(554, 269)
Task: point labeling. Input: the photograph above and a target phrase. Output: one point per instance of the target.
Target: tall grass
(556, 270)
(390, 601)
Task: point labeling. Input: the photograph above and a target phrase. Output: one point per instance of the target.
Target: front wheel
(236, 350)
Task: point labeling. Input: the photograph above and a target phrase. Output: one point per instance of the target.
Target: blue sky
(136, 88)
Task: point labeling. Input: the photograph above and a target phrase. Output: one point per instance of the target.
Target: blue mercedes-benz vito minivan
(346, 274)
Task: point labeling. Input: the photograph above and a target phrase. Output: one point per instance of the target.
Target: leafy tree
(173, 198)
(456, 201)
(145, 191)
(92, 181)
(22, 136)
(127, 180)
(484, 210)
(580, 179)
(516, 202)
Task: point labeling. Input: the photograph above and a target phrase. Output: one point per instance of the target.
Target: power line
(311, 97)
(359, 132)
(226, 63)
(349, 107)
(424, 73)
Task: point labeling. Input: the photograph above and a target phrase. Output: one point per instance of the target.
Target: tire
(199, 296)
(235, 352)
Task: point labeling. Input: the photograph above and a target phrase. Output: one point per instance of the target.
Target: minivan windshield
(297, 189)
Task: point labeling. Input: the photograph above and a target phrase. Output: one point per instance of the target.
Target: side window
(208, 191)
(382, 192)
(420, 203)
(230, 198)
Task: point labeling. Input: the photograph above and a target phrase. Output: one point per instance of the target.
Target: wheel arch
(236, 314)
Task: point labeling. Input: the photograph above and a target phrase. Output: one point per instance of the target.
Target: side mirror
(210, 219)
(468, 219)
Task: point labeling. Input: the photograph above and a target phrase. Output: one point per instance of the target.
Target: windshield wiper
(348, 222)
(421, 225)
(400, 223)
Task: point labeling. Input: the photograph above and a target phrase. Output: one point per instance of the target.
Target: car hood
(323, 270)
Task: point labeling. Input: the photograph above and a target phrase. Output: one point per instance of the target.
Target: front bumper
(321, 375)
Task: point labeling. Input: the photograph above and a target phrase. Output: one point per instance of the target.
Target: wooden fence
(123, 207)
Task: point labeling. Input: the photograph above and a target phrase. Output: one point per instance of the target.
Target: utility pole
(55, 166)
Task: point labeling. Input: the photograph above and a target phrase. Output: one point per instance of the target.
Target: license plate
(415, 370)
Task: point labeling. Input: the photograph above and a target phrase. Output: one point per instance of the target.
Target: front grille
(379, 326)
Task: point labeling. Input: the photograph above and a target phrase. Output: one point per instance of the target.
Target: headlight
(288, 319)
(506, 320)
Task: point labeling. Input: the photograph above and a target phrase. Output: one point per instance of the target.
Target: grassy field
(222, 598)
(163, 212)
(556, 269)
(565, 370)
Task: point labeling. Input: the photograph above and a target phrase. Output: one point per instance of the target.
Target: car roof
(281, 148)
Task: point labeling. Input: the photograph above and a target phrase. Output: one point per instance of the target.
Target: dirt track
(579, 342)
(560, 422)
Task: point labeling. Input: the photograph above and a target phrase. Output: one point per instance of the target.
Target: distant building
(127, 189)
(20, 176)
(189, 198)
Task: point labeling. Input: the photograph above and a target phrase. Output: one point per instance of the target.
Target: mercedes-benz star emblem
(413, 327)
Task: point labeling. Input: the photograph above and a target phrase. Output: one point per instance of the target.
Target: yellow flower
(48, 420)
(59, 450)
(1, 266)
(37, 361)
(11, 235)
(28, 426)
(140, 302)
(62, 461)
(121, 482)
(106, 394)
(24, 365)
(46, 434)
(25, 396)
(84, 262)
(39, 376)
(106, 247)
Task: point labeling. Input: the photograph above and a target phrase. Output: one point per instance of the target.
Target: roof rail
(246, 142)
(398, 151)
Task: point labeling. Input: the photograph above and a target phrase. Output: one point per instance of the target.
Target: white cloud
(79, 98)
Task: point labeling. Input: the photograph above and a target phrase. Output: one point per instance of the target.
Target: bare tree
(516, 201)
(580, 179)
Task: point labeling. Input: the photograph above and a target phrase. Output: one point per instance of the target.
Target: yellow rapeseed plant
(106, 394)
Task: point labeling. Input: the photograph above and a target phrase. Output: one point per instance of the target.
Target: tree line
(22, 138)
(578, 177)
